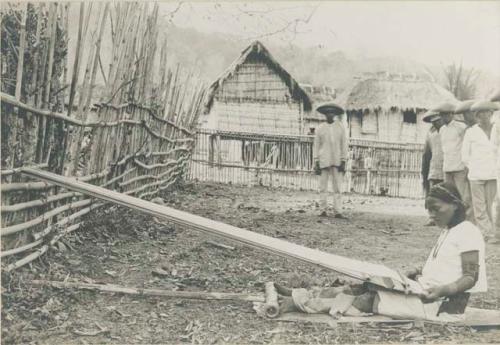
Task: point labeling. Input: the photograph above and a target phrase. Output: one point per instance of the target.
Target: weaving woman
(454, 268)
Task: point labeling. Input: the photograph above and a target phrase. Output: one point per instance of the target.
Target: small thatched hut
(390, 107)
(256, 94)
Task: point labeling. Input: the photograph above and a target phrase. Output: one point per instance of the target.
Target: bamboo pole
(24, 186)
(39, 235)
(160, 188)
(31, 186)
(149, 177)
(170, 152)
(84, 105)
(22, 48)
(199, 295)
(159, 165)
(52, 41)
(55, 115)
(8, 172)
(117, 178)
(43, 98)
(33, 256)
(9, 230)
(37, 203)
(76, 65)
(20, 249)
(149, 185)
(39, 252)
(36, 62)
(66, 31)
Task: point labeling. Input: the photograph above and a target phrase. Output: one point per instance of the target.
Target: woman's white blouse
(444, 264)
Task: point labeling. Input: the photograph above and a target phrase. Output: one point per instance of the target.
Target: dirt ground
(123, 247)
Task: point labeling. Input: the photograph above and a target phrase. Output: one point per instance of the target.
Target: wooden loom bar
(244, 297)
(374, 273)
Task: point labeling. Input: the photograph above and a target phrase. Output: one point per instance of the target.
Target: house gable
(254, 81)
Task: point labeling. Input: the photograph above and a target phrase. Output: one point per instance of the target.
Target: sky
(437, 32)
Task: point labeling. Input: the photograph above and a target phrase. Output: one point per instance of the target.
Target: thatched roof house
(256, 94)
(391, 107)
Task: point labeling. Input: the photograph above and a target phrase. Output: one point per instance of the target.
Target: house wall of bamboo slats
(390, 107)
(255, 94)
(388, 125)
(286, 161)
(138, 141)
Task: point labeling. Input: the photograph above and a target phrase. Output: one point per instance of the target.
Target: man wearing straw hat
(495, 134)
(479, 155)
(452, 134)
(330, 156)
(432, 158)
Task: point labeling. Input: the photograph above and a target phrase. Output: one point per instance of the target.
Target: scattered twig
(87, 333)
(220, 245)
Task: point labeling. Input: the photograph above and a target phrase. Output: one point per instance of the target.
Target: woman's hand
(412, 273)
(434, 293)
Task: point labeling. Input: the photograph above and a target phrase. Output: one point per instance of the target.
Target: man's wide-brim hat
(464, 106)
(430, 116)
(445, 108)
(496, 96)
(330, 108)
(484, 106)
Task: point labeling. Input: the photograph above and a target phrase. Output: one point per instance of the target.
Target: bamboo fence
(140, 143)
(373, 167)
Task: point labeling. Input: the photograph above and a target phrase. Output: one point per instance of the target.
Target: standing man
(479, 155)
(330, 155)
(452, 135)
(496, 142)
(432, 158)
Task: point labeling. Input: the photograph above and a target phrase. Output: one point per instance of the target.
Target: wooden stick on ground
(220, 245)
(201, 295)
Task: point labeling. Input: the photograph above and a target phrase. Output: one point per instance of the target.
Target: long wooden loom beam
(374, 273)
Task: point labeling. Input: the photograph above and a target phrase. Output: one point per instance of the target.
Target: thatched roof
(258, 49)
(402, 94)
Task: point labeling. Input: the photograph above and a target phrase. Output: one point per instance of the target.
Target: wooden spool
(271, 307)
